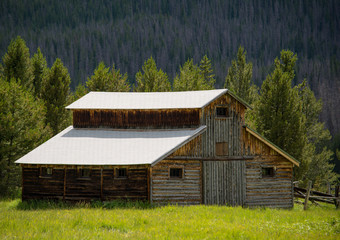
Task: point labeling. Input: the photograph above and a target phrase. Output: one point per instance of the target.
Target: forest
(280, 55)
(127, 32)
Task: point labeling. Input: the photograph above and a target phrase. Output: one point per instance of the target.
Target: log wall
(177, 191)
(66, 184)
(223, 129)
(174, 118)
(276, 191)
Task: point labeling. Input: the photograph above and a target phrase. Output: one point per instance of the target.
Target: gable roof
(147, 100)
(109, 147)
(273, 146)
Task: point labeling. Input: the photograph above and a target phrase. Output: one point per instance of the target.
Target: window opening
(121, 173)
(222, 112)
(84, 172)
(46, 172)
(176, 173)
(221, 149)
(268, 172)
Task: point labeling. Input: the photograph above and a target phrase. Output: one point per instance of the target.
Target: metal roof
(146, 100)
(109, 147)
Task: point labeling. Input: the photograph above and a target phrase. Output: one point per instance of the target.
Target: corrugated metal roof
(109, 147)
(146, 100)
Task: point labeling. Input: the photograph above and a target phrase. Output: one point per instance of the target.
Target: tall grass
(128, 220)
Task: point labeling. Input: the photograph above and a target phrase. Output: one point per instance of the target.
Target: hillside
(126, 33)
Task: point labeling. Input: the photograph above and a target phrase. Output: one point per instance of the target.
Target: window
(84, 172)
(121, 173)
(176, 173)
(268, 172)
(222, 112)
(46, 172)
(221, 149)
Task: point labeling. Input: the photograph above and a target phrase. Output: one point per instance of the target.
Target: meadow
(117, 220)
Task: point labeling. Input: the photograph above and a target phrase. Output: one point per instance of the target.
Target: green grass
(118, 220)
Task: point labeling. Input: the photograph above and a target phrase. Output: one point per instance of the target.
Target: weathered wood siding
(224, 182)
(36, 187)
(223, 129)
(66, 184)
(177, 191)
(274, 191)
(174, 118)
(134, 187)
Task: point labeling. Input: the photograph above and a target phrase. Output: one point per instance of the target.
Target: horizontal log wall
(276, 191)
(223, 129)
(177, 191)
(174, 118)
(65, 183)
(36, 187)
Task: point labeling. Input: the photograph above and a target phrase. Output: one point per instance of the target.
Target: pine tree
(55, 93)
(17, 63)
(239, 77)
(40, 70)
(152, 79)
(22, 129)
(190, 78)
(107, 80)
(207, 72)
(278, 111)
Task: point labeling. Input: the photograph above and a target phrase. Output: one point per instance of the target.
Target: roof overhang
(110, 147)
(273, 146)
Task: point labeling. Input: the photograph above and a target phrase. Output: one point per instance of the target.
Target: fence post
(307, 194)
(336, 201)
(329, 191)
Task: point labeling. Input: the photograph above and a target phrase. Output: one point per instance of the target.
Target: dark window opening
(268, 172)
(46, 172)
(176, 173)
(121, 173)
(222, 112)
(84, 172)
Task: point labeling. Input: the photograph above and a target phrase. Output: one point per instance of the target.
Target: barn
(163, 147)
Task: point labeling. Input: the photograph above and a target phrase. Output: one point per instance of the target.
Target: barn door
(224, 182)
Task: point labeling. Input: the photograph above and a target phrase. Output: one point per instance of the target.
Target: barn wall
(274, 191)
(36, 187)
(176, 118)
(102, 184)
(223, 129)
(177, 191)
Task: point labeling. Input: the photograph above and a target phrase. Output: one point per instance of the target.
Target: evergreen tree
(80, 91)
(99, 81)
(278, 111)
(55, 93)
(17, 63)
(207, 72)
(317, 157)
(22, 129)
(152, 79)
(239, 77)
(39, 66)
(190, 78)
(107, 80)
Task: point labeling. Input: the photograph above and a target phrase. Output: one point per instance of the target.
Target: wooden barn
(164, 147)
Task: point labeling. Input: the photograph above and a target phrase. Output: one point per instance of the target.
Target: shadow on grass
(55, 204)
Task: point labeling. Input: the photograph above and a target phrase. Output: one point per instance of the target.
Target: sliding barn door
(224, 182)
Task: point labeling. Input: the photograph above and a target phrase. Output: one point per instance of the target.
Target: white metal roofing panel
(146, 100)
(109, 147)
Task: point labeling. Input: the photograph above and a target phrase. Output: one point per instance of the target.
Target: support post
(336, 201)
(101, 183)
(307, 195)
(329, 188)
(64, 195)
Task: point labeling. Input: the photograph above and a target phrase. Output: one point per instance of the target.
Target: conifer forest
(54, 52)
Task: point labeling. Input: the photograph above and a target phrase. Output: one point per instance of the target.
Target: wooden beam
(101, 183)
(64, 195)
(229, 158)
(307, 195)
(336, 201)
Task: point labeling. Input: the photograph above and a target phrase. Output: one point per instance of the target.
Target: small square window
(46, 172)
(221, 149)
(222, 112)
(176, 173)
(268, 172)
(84, 172)
(121, 173)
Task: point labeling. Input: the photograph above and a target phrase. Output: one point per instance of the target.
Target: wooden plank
(307, 195)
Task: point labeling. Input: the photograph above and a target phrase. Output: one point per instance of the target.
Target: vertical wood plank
(307, 195)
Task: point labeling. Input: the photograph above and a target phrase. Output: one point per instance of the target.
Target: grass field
(48, 220)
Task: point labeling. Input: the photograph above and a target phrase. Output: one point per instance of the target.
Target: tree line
(33, 98)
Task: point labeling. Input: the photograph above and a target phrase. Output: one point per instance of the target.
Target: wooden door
(224, 182)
